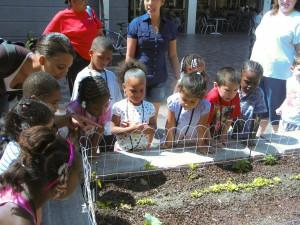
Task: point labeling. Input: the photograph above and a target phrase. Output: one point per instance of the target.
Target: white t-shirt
(186, 117)
(274, 48)
(11, 153)
(291, 110)
(129, 112)
(110, 78)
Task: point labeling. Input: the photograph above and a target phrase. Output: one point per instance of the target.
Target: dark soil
(279, 204)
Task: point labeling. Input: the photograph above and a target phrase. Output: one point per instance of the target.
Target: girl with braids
(93, 102)
(53, 54)
(187, 114)
(25, 114)
(48, 168)
(133, 120)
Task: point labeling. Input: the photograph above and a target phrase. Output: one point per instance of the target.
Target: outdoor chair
(207, 24)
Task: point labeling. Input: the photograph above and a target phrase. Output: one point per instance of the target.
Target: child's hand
(278, 111)
(148, 129)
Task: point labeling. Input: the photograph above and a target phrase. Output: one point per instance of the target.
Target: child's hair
(253, 66)
(131, 68)
(26, 113)
(42, 156)
(296, 61)
(194, 84)
(192, 61)
(40, 84)
(227, 75)
(92, 87)
(53, 44)
(101, 42)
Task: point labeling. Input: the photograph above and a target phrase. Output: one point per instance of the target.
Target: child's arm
(170, 124)
(149, 130)
(202, 128)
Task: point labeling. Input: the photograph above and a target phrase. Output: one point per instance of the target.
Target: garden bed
(127, 201)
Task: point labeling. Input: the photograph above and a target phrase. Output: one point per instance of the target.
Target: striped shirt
(11, 153)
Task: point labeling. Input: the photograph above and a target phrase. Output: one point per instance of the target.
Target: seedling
(149, 166)
(151, 220)
(193, 166)
(242, 166)
(145, 201)
(270, 160)
(104, 204)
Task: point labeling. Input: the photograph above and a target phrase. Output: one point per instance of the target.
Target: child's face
(52, 100)
(98, 106)
(100, 58)
(187, 101)
(58, 65)
(296, 71)
(249, 81)
(227, 92)
(134, 89)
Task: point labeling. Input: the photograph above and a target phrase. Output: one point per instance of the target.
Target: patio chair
(207, 24)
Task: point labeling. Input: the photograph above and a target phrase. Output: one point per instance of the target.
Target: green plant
(104, 204)
(149, 166)
(151, 220)
(242, 166)
(270, 160)
(96, 180)
(229, 186)
(145, 201)
(193, 166)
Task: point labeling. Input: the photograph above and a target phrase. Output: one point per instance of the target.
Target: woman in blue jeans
(149, 38)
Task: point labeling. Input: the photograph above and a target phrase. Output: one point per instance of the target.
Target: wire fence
(101, 162)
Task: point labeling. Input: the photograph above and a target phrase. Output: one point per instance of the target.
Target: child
(26, 113)
(42, 86)
(48, 168)
(133, 118)
(192, 63)
(93, 102)
(290, 108)
(187, 110)
(101, 56)
(251, 101)
(225, 102)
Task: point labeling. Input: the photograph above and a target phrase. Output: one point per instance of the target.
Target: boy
(225, 102)
(101, 56)
(290, 108)
(252, 101)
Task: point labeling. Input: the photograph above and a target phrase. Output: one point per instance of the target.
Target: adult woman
(80, 24)
(277, 43)
(149, 38)
(53, 54)
(48, 168)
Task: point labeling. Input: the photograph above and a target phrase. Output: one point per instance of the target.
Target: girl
(133, 120)
(93, 102)
(187, 110)
(53, 54)
(192, 63)
(48, 168)
(24, 114)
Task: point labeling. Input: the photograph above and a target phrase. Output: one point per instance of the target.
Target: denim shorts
(275, 92)
(156, 93)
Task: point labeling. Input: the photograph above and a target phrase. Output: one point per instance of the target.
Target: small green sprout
(193, 166)
(149, 166)
(270, 160)
(151, 220)
(104, 204)
(125, 206)
(242, 166)
(145, 201)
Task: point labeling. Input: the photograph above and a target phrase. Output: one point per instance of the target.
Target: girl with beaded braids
(93, 103)
(26, 113)
(53, 54)
(48, 168)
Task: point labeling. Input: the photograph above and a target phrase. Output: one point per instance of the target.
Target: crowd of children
(98, 110)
